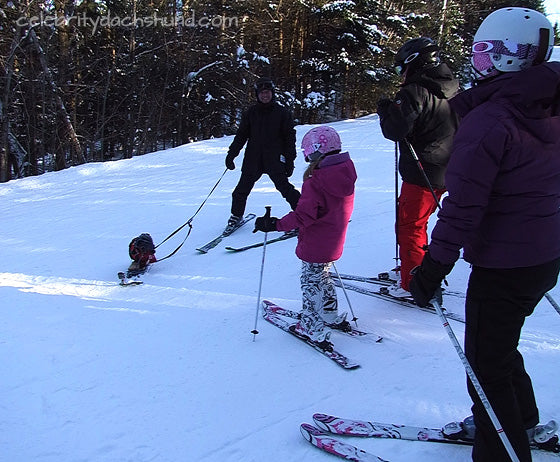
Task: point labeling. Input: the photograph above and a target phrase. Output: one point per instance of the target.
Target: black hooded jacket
(268, 130)
(421, 115)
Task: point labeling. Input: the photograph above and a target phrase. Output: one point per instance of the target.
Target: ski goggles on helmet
(490, 57)
(401, 66)
(500, 48)
(260, 86)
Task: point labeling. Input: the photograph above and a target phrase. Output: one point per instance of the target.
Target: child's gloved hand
(265, 224)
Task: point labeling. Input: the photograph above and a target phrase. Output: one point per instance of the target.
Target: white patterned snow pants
(319, 295)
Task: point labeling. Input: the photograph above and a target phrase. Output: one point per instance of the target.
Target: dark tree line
(92, 80)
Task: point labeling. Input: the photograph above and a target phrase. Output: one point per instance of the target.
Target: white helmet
(320, 141)
(509, 40)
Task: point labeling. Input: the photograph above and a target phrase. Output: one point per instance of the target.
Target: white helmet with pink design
(509, 40)
(319, 142)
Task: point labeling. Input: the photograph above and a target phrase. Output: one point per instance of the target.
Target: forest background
(95, 80)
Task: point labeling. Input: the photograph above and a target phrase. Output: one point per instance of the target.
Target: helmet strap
(544, 37)
(314, 156)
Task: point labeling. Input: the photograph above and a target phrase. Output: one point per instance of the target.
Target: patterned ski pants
(318, 293)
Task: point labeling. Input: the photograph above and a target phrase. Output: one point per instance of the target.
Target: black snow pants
(498, 301)
(247, 182)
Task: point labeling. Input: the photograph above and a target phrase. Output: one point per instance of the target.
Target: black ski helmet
(417, 54)
(264, 83)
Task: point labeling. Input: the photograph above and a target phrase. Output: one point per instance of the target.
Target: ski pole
(255, 331)
(552, 302)
(476, 383)
(396, 205)
(422, 171)
(354, 318)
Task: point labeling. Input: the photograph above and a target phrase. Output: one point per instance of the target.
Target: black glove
(265, 224)
(229, 162)
(289, 166)
(382, 106)
(427, 280)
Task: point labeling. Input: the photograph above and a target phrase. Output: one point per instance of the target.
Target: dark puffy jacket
(421, 114)
(269, 132)
(503, 178)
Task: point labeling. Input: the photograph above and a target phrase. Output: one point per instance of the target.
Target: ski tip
(320, 420)
(308, 430)
(202, 251)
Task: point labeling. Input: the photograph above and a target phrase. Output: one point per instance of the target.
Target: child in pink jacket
(321, 217)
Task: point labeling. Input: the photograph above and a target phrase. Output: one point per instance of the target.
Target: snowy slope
(169, 371)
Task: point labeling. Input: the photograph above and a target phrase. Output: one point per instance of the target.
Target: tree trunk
(5, 173)
(65, 118)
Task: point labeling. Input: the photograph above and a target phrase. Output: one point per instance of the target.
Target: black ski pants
(498, 301)
(247, 182)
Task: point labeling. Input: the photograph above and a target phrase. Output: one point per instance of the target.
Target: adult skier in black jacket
(419, 116)
(268, 130)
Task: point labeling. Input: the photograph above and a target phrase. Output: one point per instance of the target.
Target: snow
(169, 371)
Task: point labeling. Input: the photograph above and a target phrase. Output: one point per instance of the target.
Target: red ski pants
(416, 204)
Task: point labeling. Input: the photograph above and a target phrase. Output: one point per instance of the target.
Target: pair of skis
(277, 315)
(322, 435)
(383, 279)
(296, 315)
(381, 291)
(132, 276)
(129, 280)
(214, 242)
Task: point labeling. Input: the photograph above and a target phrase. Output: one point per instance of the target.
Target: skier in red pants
(416, 204)
(421, 120)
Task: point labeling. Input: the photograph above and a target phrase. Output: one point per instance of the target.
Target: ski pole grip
(267, 214)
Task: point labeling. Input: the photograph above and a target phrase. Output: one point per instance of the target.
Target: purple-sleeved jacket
(323, 210)
(504, 174)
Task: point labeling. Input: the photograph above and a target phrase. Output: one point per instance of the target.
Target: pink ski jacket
(323, 210)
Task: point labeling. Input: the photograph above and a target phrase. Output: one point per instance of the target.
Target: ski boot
(391, 275)
(544, 436)
(316, 332)
(231, 224)
(340, 323)
(460, 430)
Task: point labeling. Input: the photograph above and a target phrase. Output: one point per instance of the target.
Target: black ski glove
(427, 280)
(265, 224)
(382, 106)
(229, 162)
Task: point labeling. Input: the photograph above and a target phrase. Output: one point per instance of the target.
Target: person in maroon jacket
(503, 210)
(421, 120)
(321, 216)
